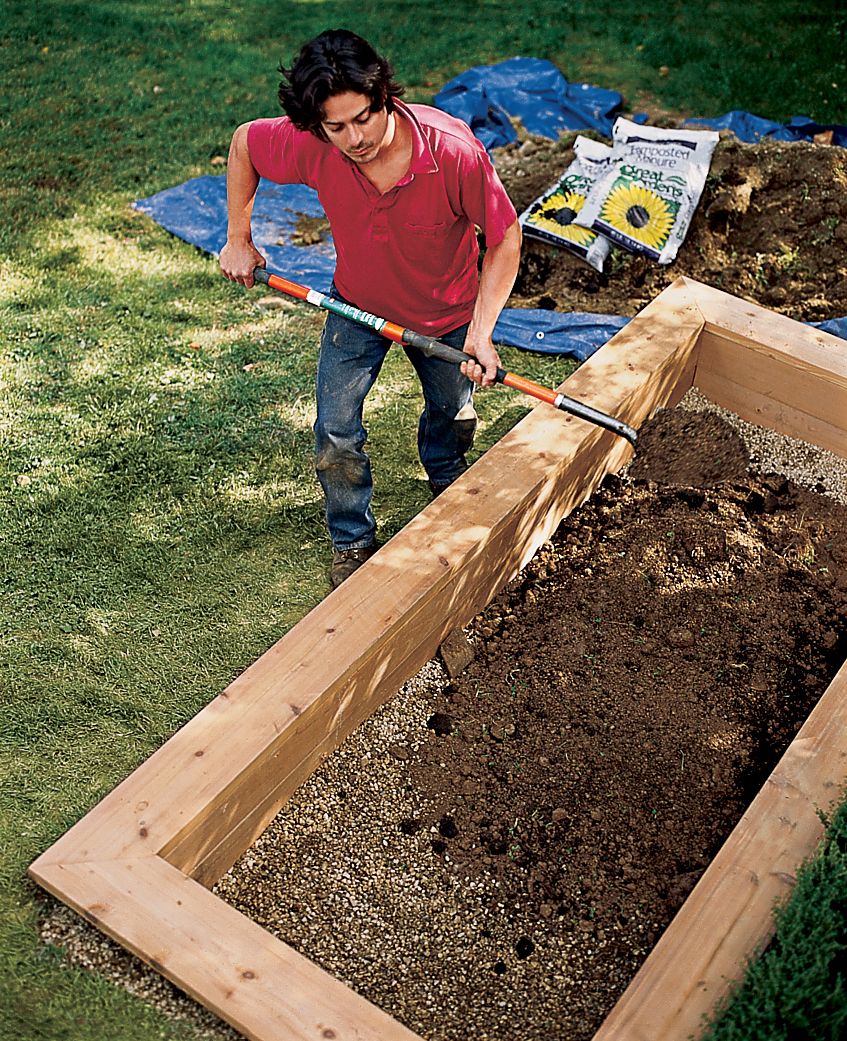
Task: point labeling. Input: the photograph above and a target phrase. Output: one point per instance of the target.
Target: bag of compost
(551, 216)
(646, 199)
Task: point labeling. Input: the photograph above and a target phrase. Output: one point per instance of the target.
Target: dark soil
(771, 227)
(632, 690)
(503, 867)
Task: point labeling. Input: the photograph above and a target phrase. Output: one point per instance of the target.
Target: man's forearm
(239, 257)
(499, 271)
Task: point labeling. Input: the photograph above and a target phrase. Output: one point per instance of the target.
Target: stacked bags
(639, 194)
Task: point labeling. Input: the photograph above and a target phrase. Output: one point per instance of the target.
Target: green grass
(160, 524)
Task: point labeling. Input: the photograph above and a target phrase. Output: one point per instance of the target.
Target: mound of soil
(633, 689)
(771, 227)
(503, 861)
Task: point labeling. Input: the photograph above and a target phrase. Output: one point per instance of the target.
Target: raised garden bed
(495, 854)
(138, 864)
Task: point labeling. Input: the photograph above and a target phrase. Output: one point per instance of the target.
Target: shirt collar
(423, 161)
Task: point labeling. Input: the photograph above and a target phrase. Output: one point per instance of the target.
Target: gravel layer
(356, 902)
(812, 467)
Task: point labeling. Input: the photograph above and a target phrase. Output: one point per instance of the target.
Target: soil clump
(309, 231)
(771, 227)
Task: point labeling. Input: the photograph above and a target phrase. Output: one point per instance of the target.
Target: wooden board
(773, 371)
(135, 862)
(219, 957)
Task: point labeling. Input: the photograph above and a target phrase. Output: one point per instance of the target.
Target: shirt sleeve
(276, 150)
(484, 199)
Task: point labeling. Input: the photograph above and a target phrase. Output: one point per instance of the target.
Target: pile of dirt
(771, 227)
(694, 448)
(495, 855)
(633, 689)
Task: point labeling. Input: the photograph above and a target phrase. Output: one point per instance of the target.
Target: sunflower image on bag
(646, 200)
(552, 216)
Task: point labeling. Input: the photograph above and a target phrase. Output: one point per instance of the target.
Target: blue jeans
(351, 356)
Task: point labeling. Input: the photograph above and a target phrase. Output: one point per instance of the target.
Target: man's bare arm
(239, 256)
(499, 271)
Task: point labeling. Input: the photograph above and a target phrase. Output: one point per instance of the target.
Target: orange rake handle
(433, 348)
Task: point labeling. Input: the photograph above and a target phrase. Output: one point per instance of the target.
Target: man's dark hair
(335, 62)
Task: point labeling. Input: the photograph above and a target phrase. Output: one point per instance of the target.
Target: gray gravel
(334, 877)
(812, 467)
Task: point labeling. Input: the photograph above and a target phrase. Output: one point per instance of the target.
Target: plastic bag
(646, 200)
(551, 217)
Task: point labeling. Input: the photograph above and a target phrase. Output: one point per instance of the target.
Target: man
(403, 188)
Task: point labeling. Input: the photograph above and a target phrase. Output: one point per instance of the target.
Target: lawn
(160, 524)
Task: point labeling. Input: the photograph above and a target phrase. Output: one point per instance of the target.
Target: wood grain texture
(258, 984)
(773, 371)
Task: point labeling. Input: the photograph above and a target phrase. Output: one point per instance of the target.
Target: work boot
(437, 489)
(346, 561)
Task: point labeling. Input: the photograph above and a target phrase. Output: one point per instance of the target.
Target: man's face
(350, 125)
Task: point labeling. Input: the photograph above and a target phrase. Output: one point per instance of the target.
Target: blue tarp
(536, 92)
(196, 212)
(547, 331)
(532, 90)
(748, 127)
(836, 326)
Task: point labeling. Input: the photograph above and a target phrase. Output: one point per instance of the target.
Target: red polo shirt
(409, 255)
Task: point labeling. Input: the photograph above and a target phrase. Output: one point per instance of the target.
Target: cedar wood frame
(139, 864)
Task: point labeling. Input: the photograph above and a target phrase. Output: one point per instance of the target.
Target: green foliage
(160, 524)
(797, 990)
